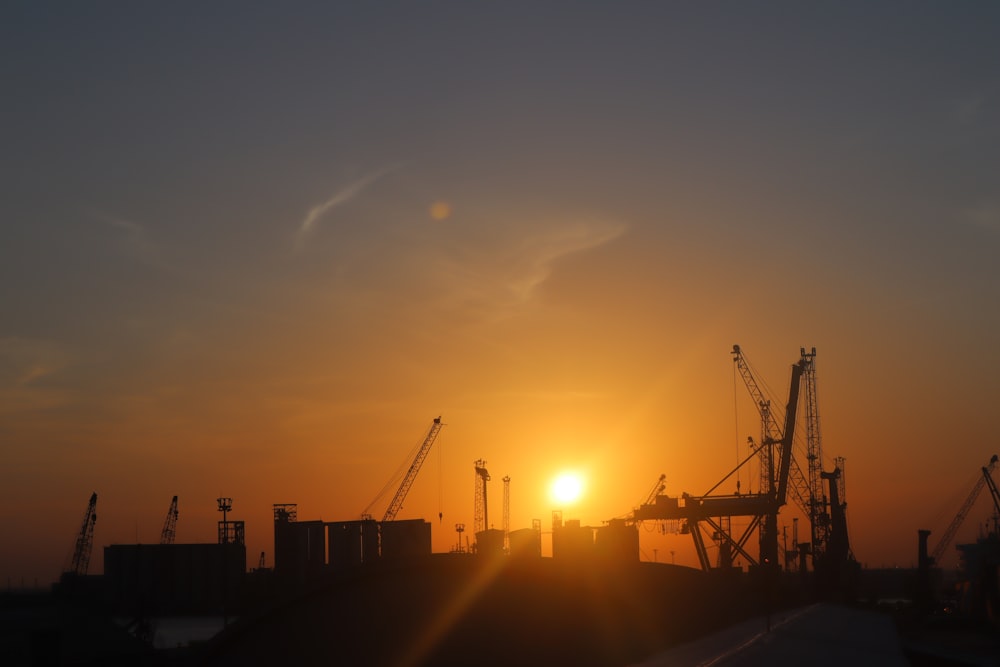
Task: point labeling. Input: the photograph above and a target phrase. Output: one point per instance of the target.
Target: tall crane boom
(85, 539)
(170, 524)
(771, 435)
(396, 503)
(789, 432)
(956, 523)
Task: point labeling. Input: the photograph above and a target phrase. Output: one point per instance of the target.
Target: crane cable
(736, 419)
(440, 486)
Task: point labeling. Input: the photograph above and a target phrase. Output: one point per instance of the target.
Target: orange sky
(253, 254)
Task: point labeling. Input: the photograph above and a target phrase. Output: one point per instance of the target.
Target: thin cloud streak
(488, 282)
(339, 198)
(543, 251)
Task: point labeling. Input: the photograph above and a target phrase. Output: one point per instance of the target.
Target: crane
(963, 511)
(84, 540)
(396, 503)
(170, 524)
(716, 511)
(481, 515)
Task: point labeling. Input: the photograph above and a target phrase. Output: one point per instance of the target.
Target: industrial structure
(80, 560)
(143, 579)
(712, 515)
(407, 479)
(959, 518)
(169, 532)
(167, 578)
(481, 510)
(489, 541)
(170, 578)
(305, 550)
(978, 586)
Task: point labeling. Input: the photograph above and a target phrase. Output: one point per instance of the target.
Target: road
(820, 634)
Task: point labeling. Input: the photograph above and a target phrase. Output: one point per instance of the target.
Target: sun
(566, 488)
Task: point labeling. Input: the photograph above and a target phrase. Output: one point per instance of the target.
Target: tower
(482, 515)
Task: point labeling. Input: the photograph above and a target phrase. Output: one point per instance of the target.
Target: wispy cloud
(491, 279)
(135, 232)
(339, 198)
(25, 364)
(24, 360)
(539, 252)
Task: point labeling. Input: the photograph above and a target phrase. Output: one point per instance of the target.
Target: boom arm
(85, 539)
(170, 524)
(786, 441)
(656, 490)
(404, 487)
(763, 405)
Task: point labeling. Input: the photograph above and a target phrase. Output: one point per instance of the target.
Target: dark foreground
(818, 635)
(461, 610)
(457, 610)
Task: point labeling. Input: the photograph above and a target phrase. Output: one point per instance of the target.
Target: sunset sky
(252, 250)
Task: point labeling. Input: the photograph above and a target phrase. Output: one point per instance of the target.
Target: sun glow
(566, 488)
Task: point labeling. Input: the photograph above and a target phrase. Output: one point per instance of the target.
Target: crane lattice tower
(481, 516)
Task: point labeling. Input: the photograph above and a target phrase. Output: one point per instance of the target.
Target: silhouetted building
(489, 542)
(617, 541)
(572, 541)
(406, 539)
(525, 543)
(174, 578)
(299, 546)
(352, 543)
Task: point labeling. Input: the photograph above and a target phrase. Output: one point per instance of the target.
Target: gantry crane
(717, 511)
(169, 531)
(396, 503)
(963, 511)
(84, 540)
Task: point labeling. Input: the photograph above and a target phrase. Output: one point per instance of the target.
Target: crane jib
(404, 487)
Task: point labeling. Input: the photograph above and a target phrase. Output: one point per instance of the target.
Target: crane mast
(481, 518)
(169, 531)
(85, 540)
(396, 503)
(819, 506)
